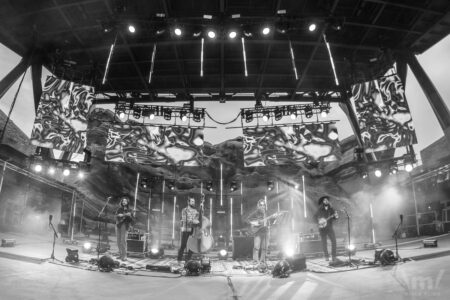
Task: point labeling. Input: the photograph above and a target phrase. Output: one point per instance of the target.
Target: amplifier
(134, 236)
(311, 247)
(136, 246)
(243, 247)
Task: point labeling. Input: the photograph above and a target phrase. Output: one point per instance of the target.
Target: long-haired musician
(124, 217)
(189, 218)
(325, 216)
(257, 220)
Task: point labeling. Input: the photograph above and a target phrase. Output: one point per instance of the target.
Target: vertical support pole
(173, 218)
(36, 75)
(149, 211)
(161, 211)
(3, 176)
(210, 215)
(415, 205)
(305, 214)
(292, 215)
(231, 219)
(82, 216)
(242, 200)
(73, 219)
(136, 190)
(72, 205)
(221, 184)
(372, 222)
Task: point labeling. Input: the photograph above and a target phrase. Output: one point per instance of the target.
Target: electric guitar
(125, 217)
(257, 226)
(324, 221)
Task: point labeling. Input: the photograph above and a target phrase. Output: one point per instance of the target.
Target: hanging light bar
(111, 50)
(245, 57)
(331, 59)
(293, 60)
(152, 64)
(201, 58)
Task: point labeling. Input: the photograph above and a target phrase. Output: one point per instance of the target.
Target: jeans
(260, 244)
(184, 238)
(121, 234)
(324, 232)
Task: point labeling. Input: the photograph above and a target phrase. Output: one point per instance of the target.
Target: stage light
(156, 252)
(131, 29)
(266, 116)
(266, 30)
(289, 251)
(209, 186)
(378, 173)
(312, 27)
(393, 169)
(223, 254)
(38, 167)
(296, 186)
(364, 174)
(278, 113)
(333, 134)
(137, 112)
(197, 115)
(66, 172)
(281, 269)
(167, 114)
(81, 174)
(72, 255)
(408, 167)
(308, 112)
(211, 34)
(183, 115)
(171, 185)
(248, 116)
(144, 182)
(233, 186)
(178, 31)
(323, 113)
(232, 34)
(87, 246)
(51, 171)
(269, 185)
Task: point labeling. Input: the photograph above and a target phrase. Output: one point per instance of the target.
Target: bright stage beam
(293, 60)
(152, 65)
(304, 197)
(111, 51)
(201, 58)
(331, 60)
(245, 57)
(173, 217)
(231, 218)
(221, 185)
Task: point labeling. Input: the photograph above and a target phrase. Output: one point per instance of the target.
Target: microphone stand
(55, 235)
(100, 229)
(350, 263)
(395, 236)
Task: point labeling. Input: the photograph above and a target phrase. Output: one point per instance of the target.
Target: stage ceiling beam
(313, 53)
(13, 75)
(416, 8)
(36, 77)
(415, 45)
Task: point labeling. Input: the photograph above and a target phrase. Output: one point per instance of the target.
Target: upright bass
(200, 240)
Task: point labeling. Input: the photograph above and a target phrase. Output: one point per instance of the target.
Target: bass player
(189, 218)
(325, 216)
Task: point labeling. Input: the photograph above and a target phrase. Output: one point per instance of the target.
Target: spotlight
(324, 113)
(178, 31)
(171, 185)
(378, 172)
(350, 249)
(296, 186)
(233, 186)
(232, 34)
(364, 175)
(266, 30)
(248, 116)
(87, 247)
(167, 114)
(81, 174)
(38, 168)
(197, 115)
(72, 255)
(209, 186)
(289, 251)
(51, 171)
(152, 114)
(211, 34)
(131, 29)
(408, 167)
(269, 185)
(308, 112)
(156, 252)
(333, 134)
(278, 113)
(223, 254)
(66, 172)
(293, 115)
(266, 116)
(312, 27)
(183, 115)
(137, 112)
(393, 169)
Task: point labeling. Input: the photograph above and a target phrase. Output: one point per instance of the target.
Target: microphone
(50, 217)
(401, 219)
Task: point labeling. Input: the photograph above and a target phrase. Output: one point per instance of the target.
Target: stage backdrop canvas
(61, 118)
(312, 144)
(154, 145)
(383, 114)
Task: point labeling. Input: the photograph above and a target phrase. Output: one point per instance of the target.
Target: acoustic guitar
(257, 226)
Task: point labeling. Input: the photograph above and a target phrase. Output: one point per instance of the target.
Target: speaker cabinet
(297, 262)
(311, 247)
(136, 246)
(242, 247)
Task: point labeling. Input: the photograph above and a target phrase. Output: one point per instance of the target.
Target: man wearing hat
(325, 216)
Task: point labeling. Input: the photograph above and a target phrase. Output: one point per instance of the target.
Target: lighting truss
(268, 113)
(140, 113)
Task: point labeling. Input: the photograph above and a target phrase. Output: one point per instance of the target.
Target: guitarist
(189, 218)
(257, 220)
(124, 217)
(325, 216)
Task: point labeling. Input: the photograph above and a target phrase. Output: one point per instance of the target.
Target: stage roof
(74, 39)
